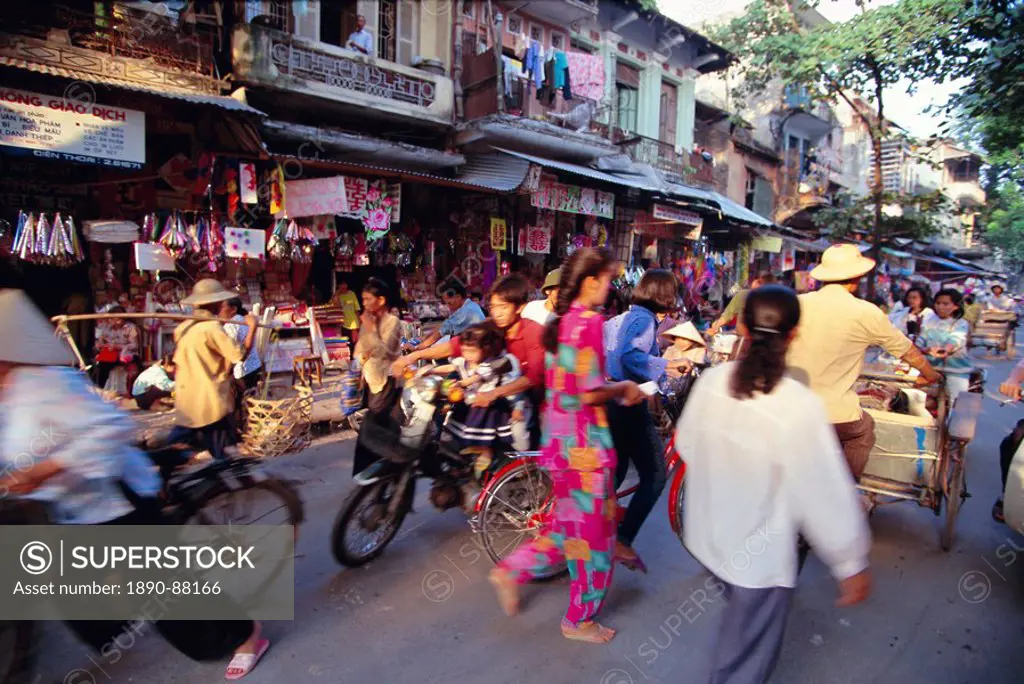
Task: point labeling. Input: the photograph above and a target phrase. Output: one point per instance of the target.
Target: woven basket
(277, 425)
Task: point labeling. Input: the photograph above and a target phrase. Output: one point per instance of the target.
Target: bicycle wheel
(515, 508)
(257, 502)
(956, 492)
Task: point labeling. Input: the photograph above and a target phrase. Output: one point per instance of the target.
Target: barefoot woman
(577, 451)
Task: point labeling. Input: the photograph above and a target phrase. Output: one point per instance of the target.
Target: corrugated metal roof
(402, 174)
(228, 103)
(739, 212)
(496, 171)
(587, 172)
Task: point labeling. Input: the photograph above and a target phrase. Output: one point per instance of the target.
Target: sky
(905, 110)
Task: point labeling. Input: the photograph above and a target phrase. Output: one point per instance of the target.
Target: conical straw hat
(688, 331)
(26, 337)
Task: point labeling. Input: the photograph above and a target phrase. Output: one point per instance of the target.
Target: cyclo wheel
(956, 483)
(225, 506)
(515, 508)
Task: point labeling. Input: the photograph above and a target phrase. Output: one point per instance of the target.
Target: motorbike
(421, 447)
(215, 493)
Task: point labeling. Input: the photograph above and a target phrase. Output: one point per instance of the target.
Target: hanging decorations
(499, 234)
(401, 247)
(149, 224)
(377, 214)
(276, 190)
(174, 237)
(38, 241)
(300, 241)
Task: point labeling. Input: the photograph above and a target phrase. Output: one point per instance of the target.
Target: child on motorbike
(483, 349)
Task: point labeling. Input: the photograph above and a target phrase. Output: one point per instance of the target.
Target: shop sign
(573, 199)
(499, 234)
(766, 243)
(245, 243)
(667, 213)
(538, 240)
(54, 127)
(358, 189)
(247, 183)
(315, 196)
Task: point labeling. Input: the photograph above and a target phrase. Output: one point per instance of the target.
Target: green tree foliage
(877, 50)
(903, 216)
(1005, 227)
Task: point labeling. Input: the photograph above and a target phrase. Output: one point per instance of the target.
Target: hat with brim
(687, 331)
(551, 280)
(840, 263)
(208, 291)
(999, 285)
(26, 337)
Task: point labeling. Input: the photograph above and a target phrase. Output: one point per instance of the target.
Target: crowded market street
(425, 612)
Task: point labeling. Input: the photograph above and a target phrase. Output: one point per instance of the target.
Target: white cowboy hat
(208, 291)
(842, 262)
(688, 331)
(26, 337)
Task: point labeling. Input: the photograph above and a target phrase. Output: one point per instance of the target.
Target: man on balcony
(361, 39)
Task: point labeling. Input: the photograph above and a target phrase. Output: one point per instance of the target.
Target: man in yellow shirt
(735, 307)
(204, 357)
(835, 331)
(349, 303)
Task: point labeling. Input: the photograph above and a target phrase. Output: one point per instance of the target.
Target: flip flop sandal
(589, 632)
(997, 512)
(244, 663)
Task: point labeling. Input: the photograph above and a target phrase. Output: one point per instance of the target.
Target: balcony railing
(160, 39)
(658, 154)
(278, 60)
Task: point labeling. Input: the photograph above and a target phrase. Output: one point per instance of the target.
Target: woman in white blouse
(764, 466)
(63, 446)
(915, 312)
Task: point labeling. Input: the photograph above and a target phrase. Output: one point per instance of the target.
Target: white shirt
(363, 39)
(537, 311)
(237, 330)
(759, 472)
(50, 413)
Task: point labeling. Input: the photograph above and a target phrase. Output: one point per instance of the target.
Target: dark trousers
(104, 368)
(637, 441)
(383, 410)
(198, 639)
(149, 397)
(214, 437)
(747, 645)
(857, 439)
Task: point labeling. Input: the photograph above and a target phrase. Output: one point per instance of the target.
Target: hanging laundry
(586, 73)
(561, 69)
(520, 45)
(534, 63)
(510, 70)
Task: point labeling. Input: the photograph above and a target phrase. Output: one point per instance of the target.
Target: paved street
(424, 612)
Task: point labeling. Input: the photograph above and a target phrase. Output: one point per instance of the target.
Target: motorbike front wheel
(365, 524)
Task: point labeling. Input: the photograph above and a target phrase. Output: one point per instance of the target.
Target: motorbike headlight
(427, 388)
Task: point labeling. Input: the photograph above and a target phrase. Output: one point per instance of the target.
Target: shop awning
(494, 171)
(224, 102)
(950, 266)
(637, 182)
(897, 253)
(476, 181)
(738, 212)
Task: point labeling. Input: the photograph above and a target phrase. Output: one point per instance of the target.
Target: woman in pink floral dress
(577, 451)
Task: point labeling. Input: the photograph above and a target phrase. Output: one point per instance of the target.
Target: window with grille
(398, 26)
(628, 107)
(537, 33)
(515, 24)
(558, 41)
(277, 11)
(759, 195)
(469, 8)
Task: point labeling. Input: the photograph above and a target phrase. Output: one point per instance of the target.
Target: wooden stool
(306, 368)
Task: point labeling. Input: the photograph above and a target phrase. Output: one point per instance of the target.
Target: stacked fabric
(112, 232)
